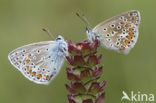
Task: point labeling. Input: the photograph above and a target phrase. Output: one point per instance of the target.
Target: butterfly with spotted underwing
(119, 33)
(40, 62)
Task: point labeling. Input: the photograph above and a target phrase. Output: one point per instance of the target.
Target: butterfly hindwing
(39, 62)
(119, 33)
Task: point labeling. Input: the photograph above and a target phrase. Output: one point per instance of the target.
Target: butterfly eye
(58, 39)
(89, 31)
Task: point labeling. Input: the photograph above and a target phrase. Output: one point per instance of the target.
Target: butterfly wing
(119, 33)
(39, 62)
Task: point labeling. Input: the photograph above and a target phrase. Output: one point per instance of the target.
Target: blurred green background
(21, 22)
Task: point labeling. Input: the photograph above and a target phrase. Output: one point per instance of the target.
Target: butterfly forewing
(119, 33)
(39, 62)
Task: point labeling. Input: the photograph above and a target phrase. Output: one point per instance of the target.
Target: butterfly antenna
(84, 19)
(48, 32)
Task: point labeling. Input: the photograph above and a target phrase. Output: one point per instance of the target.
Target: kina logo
(137, 97)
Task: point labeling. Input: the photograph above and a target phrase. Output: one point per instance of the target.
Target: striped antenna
(84, 19)
(48, 32)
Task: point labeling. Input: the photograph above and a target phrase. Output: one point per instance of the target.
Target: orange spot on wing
(39, 76)
(27, 67)
(27, 61)
(47, 77)
(34, 73)
(30, 71)
(123, 46)
(131, 33)
(122, 22)
(126, 41)
(127, 26)
(129, 37)
(130, 29)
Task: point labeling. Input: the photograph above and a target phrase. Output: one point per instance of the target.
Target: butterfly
(40, 62)
(119, 33)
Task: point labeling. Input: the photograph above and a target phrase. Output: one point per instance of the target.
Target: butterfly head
(91, 34)
(59, 38)
(63, 47)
